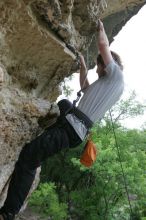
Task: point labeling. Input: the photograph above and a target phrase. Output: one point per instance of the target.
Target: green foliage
(45, 201)
(108, 167)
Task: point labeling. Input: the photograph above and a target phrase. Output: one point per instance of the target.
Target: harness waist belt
(82, 117)
(66, 107)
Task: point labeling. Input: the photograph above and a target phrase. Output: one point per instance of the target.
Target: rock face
(39, 40)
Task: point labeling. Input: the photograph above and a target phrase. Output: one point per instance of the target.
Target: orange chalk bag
(89, 154)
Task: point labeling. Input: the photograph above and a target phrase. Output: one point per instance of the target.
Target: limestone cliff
(38, 44)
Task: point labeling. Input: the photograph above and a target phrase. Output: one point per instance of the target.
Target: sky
(130, 44)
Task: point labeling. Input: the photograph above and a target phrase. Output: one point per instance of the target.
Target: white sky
(130, 44)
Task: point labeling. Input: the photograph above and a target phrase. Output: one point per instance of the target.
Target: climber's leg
(32, 155)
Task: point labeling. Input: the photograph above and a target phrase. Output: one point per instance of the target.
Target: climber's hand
(100, 26)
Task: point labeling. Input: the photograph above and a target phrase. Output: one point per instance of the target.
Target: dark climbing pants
(59, 136)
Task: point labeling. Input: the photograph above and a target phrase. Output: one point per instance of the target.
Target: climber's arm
(84, 83)
(103, 44)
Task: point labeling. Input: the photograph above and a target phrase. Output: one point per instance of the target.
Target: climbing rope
(120, 161)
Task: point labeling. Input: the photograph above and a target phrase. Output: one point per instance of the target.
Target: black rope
(120, 160)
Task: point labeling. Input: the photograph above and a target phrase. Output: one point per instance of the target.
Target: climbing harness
(66, 107)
